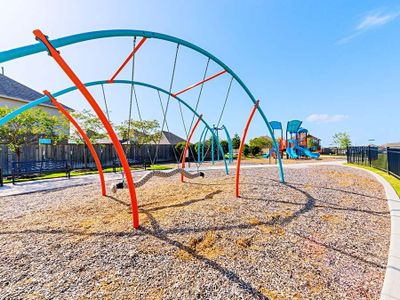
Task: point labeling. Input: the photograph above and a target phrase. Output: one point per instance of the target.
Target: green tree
(236, 141)
(191, 150)
(90, 124)
(341, 140)
(246, 150)
(224, 145)
(29, 126)
(140, 132)
(261, 142)
(255, 150)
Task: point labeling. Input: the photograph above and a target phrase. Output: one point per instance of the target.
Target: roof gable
(12, 89)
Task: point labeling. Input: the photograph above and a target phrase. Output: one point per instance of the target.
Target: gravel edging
(391, 284)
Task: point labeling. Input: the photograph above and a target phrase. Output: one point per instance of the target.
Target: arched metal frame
(73, 39)
(39, 101)
(84, 137)
(242, 143)
(188, 143)
(201, 145)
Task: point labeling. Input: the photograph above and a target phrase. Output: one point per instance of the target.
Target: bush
(225, 146)
(255, 150)
(246, 150)
(261, 142)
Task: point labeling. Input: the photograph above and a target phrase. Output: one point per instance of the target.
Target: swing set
(51, 46)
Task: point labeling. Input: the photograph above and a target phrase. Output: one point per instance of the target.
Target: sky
(335, 65)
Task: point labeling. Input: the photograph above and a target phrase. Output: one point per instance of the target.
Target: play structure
(297, 143)
(139, 38)
(275, 125)
(202, 153)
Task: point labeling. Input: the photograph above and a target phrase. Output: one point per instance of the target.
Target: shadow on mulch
(158, 232)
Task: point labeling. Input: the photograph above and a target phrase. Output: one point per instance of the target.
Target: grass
(83, 173)
(394, 182)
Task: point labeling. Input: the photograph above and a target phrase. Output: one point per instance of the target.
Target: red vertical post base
(242, 142)
(187, 145)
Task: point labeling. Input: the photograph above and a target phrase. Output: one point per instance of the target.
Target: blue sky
(333, 64)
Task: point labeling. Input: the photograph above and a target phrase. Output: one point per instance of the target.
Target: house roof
(168, 138)
(10, 88)
(392, 145)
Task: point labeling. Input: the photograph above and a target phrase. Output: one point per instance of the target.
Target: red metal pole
(187, 144)
(200, 82)
(242, 142)
(128, 59)
(85, 92)
(85, 138)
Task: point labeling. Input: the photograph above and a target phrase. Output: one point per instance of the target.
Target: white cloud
(370, 21)
(375, 20)
(325, 118)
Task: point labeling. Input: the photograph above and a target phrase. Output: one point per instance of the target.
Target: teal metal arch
(86, 36)
(39, 101)
(228, 137)
(201, 144)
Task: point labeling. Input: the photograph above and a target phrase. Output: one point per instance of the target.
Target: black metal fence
(385, 159)
(79, 156)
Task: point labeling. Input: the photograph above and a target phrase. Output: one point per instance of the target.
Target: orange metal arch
(85, 92)
(242, 142)
(85, 138)
(187, 144)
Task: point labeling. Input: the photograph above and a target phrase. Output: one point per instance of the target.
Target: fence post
(369, 156)
(387, 160)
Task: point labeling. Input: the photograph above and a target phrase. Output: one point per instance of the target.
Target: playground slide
(267, 155)
(307, 152)
(291, 153)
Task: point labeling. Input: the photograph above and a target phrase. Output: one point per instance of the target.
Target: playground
(269, 218)
(325, 234)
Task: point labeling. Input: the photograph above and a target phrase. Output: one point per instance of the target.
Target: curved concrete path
(58, 183)
(391, 284)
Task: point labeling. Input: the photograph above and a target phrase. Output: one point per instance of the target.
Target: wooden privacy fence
(80, 157)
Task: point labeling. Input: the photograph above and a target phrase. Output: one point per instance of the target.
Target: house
(168, 138)
(14, 94)
(391, 145)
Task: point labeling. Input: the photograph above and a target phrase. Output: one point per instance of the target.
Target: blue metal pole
(230, 147)
(203, 145)
(212, 146)
(199, 146)
(220, 141)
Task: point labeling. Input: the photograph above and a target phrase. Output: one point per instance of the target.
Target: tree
(29, 126)
(236, 141)
(179, 148)
(255, 150)
(140, 132)
(261, 142)
(90, 124)
(224, 145)
(246, 150)
(341, 140)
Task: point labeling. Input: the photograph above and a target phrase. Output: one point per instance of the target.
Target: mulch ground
(322, 235)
